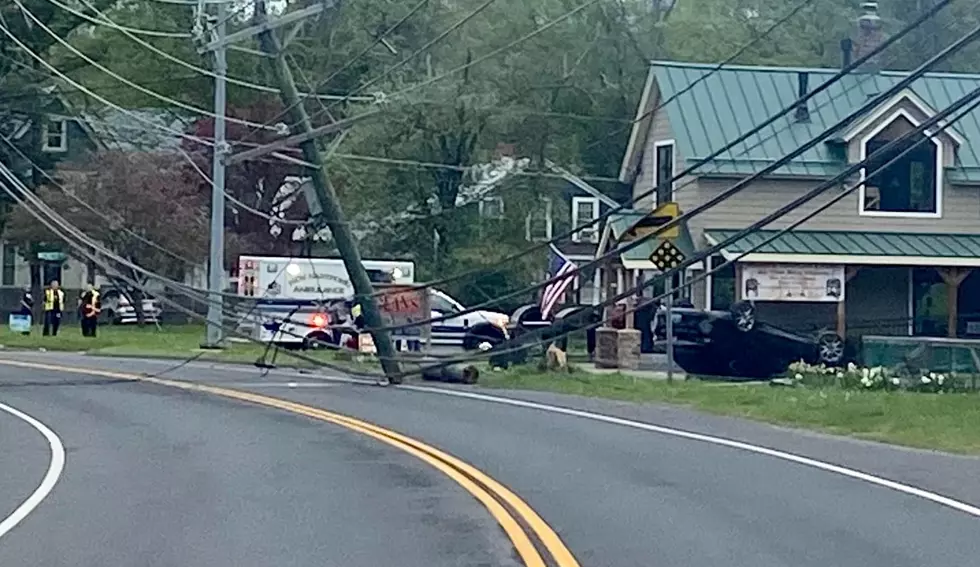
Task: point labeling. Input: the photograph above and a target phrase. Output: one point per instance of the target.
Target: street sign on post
(666, 256)
(401, 305)
(659, 217)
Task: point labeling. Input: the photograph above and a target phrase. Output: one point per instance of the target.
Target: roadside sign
(401, 305)
(651, 223)
(403, 302)
(52, 256)
(666, 256)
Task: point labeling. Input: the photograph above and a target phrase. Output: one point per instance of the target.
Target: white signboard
(793, 282)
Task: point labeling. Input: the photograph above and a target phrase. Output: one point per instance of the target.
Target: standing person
(26, 307)
(91, 305)
(54, 304)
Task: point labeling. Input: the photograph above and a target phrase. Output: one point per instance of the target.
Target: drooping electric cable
(931, 127)
(871, 103)
(692, 170)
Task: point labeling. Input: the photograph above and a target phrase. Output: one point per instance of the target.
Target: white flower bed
(853, 377)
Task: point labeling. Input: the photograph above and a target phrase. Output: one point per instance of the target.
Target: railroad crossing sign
(666, 256)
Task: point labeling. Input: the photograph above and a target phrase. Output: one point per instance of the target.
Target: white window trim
(495, 199)
(548, 221)
(63, 147)
(940, 173)
(906, 95)
(576, 205)
(673, 166)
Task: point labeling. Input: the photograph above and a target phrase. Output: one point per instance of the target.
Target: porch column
(849, 273)
(953, 278)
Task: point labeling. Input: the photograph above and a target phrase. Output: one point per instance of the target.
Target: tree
(260, 184)
(146, 196)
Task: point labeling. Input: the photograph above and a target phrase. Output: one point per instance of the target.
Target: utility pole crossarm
(297, 139)
(266, 26)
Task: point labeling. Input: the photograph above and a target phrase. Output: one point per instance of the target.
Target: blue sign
(20, 323)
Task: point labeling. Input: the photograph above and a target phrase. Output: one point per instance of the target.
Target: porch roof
(639, 258)
(853, 247)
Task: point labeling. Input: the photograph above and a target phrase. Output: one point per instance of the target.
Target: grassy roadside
(945, 422)
(176, 342)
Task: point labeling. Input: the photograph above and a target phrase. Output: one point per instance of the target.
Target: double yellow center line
(505, 506)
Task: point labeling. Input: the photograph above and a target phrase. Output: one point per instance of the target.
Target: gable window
(663, 166)
(910, 187)
(537, 225)
(585, 210)
(492, 207)
(56, 136)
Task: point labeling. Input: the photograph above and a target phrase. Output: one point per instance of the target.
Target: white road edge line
(50, 478)
(720, 441)
(805, 461)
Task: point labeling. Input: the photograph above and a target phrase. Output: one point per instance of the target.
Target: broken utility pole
(332, 212)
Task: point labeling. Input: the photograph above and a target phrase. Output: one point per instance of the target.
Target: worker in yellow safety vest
(91, 306)
(54, 305)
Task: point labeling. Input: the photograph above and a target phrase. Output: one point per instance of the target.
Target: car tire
(743, 316)
(830, 348)
(317, 340)
(473, 340)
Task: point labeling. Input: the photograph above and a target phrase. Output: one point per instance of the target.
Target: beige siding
(960, 204)
(961, 209)
(660, 131)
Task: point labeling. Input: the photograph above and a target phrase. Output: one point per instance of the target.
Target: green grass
(946, 422)
(172, 341)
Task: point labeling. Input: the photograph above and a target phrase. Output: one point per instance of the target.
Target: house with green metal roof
(905, 245)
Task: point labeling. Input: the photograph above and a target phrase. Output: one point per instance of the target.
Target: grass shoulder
(945, 422)
(177, 342)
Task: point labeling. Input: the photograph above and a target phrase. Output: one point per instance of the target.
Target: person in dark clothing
(26, 307)
(54, 304)
(91, 305)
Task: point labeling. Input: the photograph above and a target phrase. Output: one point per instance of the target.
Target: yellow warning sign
(651, 223)
(666, 256)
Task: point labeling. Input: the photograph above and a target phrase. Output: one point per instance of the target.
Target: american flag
(558, 266)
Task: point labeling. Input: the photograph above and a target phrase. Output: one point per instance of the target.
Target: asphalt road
(157, 476)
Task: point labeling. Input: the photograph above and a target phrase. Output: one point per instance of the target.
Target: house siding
(645, 180)
(961, 209)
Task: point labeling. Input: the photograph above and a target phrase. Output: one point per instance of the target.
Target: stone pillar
(607, 348)
(628, 349)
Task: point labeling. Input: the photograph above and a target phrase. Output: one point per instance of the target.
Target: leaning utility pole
(327, 197)
(216, 259)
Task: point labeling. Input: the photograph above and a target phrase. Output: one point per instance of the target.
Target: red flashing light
(319, 320)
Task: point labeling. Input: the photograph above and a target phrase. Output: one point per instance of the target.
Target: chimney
(846, 52)
(869, 35)
(802, 89)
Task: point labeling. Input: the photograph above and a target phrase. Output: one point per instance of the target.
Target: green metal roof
(852, 243)
(715, 107)
(619, 223)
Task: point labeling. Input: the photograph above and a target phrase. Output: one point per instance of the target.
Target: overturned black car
(733, 343)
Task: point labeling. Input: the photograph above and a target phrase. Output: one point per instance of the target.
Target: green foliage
(567, 95)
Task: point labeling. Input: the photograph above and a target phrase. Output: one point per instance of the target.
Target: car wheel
(830, 348)
(743, 315)
(482, 339)
(317, 340)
